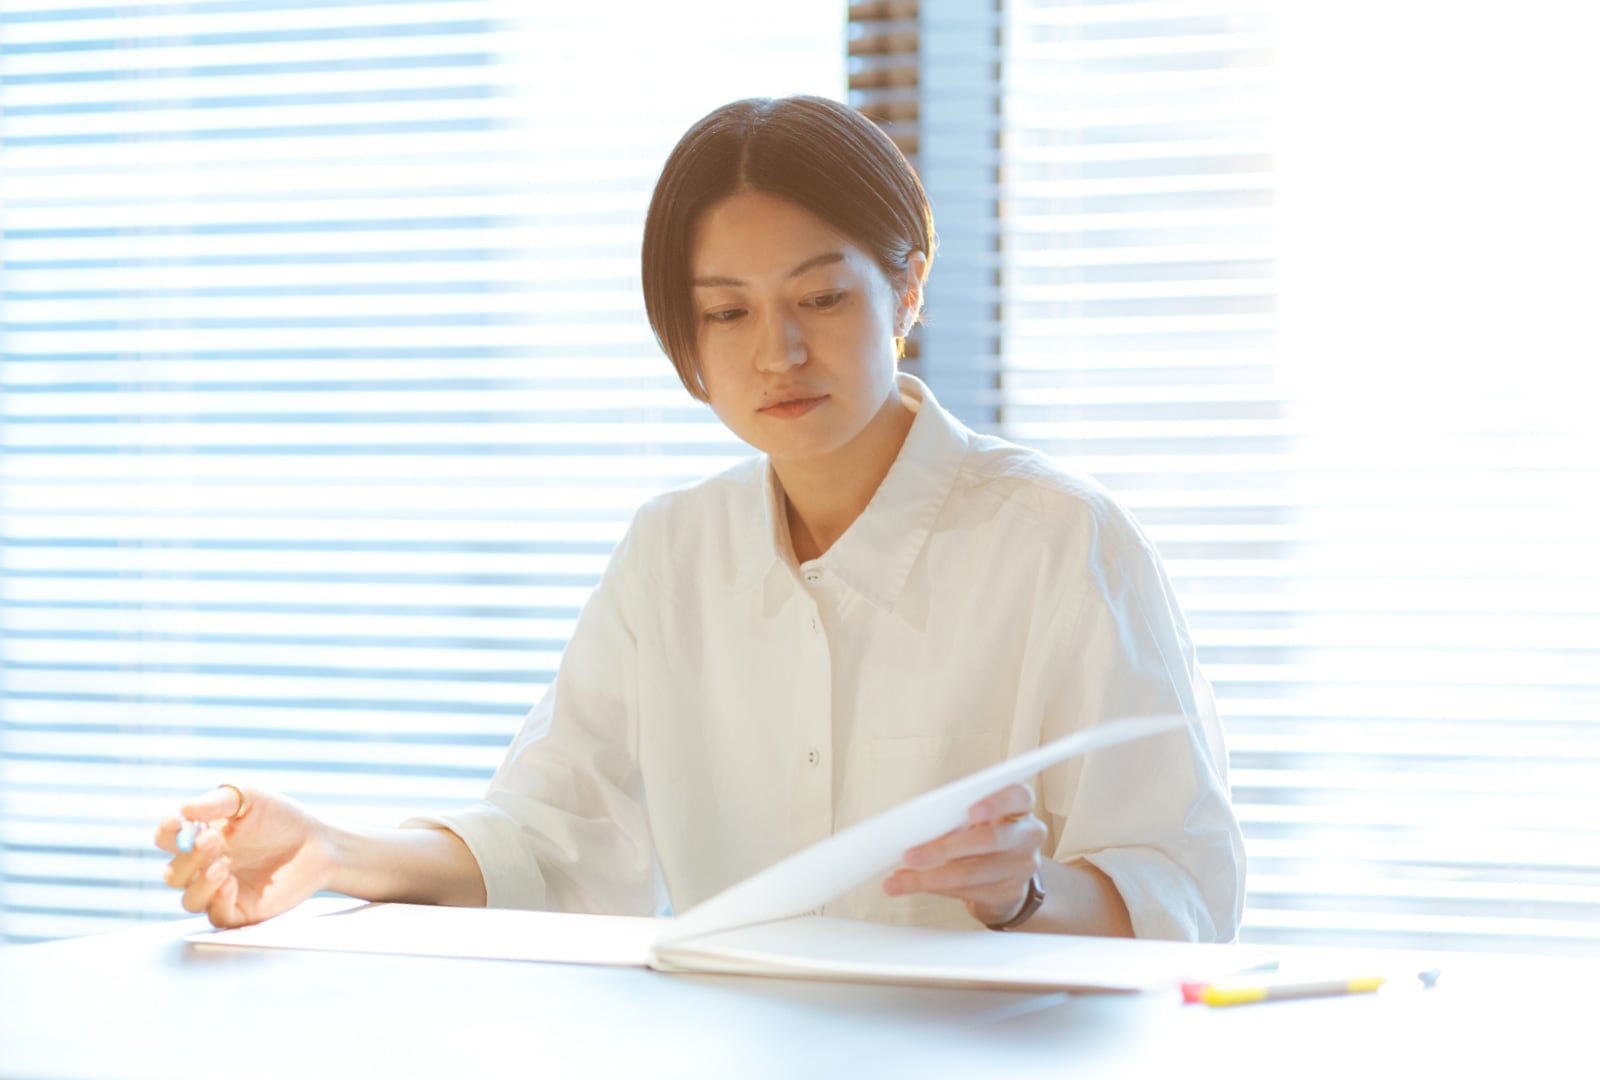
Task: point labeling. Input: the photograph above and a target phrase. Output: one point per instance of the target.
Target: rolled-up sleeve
(1154, 815)
(563, 825)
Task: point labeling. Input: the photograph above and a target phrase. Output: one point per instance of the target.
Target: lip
(793, 405)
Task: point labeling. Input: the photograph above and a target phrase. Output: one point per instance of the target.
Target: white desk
(142, 1003)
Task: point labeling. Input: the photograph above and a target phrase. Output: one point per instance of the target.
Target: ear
(908, 293)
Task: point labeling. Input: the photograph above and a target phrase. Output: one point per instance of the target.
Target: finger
(966, 877)
(215, 805)
(1008, 834)
(1013, 801)
(203, 886)
(942, 849)
(166, 835)
(208, 847)
(171, 829)
(224, 909)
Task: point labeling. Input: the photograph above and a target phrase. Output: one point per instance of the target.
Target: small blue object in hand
(187, 834)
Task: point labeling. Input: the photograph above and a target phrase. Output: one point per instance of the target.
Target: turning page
(832, 867)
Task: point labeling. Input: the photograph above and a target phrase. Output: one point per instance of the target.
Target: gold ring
(239, 793)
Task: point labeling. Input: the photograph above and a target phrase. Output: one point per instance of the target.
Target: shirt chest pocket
(906, 766)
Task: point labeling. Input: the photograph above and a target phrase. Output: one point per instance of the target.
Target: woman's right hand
(251, 862)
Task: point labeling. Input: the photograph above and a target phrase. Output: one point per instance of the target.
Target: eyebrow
(827, 258)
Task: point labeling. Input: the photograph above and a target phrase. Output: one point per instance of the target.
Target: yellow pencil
(1207, 994)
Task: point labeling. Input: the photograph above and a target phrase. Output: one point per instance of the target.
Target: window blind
(1259, 277)
(926, 71)
(327, 390)
(266, 511)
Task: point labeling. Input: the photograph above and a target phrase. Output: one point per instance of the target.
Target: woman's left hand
(987, 863)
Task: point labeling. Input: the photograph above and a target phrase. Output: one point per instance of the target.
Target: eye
(727, 315)
(826, 301)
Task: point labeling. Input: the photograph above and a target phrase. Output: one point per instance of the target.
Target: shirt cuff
(510, 879)
(1162, 899)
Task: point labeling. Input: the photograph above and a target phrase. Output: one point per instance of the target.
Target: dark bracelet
(1030, 904)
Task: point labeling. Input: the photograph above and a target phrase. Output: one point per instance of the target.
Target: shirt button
(813, 758)
(813, 576)
(813, 624)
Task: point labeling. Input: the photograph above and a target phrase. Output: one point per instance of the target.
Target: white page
(840, 949)
(827, 869)
(470, 933)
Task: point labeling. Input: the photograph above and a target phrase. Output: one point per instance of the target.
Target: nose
(782, 345)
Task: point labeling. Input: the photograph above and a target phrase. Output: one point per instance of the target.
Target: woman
(881, 602)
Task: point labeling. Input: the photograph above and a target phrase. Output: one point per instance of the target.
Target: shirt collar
(877, 552)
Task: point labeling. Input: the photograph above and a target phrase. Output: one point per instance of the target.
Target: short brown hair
(822, 156)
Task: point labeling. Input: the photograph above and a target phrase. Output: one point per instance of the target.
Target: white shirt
(719, 707)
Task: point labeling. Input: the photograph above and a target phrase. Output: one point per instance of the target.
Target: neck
(824, 496)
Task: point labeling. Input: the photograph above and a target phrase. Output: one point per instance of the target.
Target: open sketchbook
(761, 926)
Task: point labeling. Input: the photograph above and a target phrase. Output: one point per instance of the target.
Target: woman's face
(796, 327)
